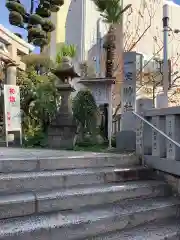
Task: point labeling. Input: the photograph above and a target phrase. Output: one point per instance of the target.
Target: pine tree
(35, 20)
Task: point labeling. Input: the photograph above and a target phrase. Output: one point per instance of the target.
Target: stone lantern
(62, 130)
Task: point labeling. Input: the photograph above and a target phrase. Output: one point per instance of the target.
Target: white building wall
(58, 35)
(52, 48)
(146, 16)
(75, 27)
(91, 19)
(174, 39)
(148, 45)
(147, 21)
(81, 26)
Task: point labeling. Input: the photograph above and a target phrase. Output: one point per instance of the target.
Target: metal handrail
(155, 128)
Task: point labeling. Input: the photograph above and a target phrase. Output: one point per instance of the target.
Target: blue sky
(4, 18)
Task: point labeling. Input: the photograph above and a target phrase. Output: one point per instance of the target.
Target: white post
(98, 53)
(83, 22)
(162, 98)
(165, 52)
(110, 112)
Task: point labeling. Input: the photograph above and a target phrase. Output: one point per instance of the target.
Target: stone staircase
(84, 196)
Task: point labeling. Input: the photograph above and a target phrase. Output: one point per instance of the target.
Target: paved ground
(15, 153)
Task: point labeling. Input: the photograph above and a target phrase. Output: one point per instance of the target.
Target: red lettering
(9, 118)
(12, 91)
(12, 99)
(8, 113)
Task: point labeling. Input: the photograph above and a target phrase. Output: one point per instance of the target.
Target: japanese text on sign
(128, 91)
(12, 108)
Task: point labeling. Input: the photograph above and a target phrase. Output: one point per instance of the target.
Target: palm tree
(111, 12)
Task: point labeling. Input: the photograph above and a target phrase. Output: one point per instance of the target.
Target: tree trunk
(110, 52)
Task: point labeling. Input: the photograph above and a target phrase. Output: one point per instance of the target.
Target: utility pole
(165, 52)
(162, 98)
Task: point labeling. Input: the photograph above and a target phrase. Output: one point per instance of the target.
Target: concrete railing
(158, 138)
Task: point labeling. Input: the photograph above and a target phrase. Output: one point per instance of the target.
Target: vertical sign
(12, 109)
(132, 65)
(139, 136)
(129, 82)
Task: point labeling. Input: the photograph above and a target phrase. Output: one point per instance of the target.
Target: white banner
(12, 108)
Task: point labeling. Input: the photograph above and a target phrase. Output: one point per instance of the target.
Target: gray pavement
(15, 153)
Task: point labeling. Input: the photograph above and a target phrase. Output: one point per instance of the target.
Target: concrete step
(75, 198)
(17, 205)
(65, 199)
(163, 230)
(78, 197)
(39, 181)
(92, 222)
(50, 160)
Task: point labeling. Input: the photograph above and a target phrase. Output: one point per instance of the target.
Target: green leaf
(85, 110)
(39, 100)
(111, 10)
(66, 50)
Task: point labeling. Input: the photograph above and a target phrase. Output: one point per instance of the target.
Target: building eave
(16, 38)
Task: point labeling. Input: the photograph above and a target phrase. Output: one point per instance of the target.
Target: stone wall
(172, 180)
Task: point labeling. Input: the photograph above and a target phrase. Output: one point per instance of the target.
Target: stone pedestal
(143, 131)
(62, 130)
(161, 101)
(130, 137)
(101, 89)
